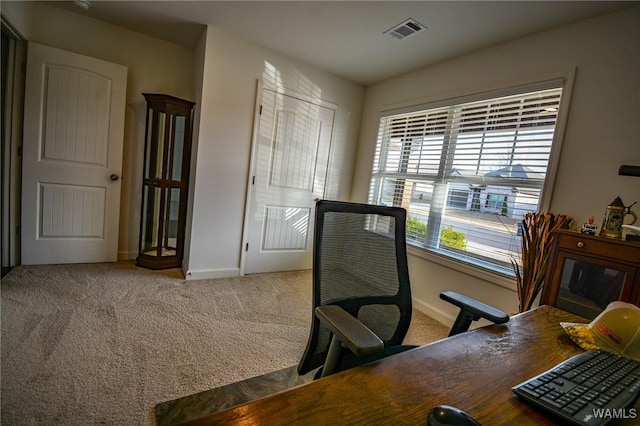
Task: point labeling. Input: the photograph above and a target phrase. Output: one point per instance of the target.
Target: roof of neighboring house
(515, 171)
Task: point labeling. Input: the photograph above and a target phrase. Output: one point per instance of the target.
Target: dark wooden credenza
(587, 272)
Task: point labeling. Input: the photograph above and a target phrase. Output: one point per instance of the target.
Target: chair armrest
(352, 333)
(475, 306)
(471, 310)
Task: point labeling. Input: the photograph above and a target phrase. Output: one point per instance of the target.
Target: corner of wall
(199, 65)
(18, 16)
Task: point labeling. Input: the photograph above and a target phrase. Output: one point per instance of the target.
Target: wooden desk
(473, 371)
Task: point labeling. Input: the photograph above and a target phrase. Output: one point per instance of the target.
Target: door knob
(114, 177)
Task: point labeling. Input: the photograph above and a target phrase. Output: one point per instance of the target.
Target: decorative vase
(537, 238)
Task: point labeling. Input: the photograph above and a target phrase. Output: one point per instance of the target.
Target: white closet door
(291, 154)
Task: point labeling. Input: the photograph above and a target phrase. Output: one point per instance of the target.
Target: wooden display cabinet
(587, 272)
(165, 181)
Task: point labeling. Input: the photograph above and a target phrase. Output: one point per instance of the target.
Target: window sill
(474, 271)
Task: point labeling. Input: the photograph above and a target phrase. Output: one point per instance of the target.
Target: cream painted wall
(231, 70)
(602, 131)
(153, 66)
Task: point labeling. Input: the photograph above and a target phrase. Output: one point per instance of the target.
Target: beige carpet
(105, 343)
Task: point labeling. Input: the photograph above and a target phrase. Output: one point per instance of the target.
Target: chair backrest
(359, 264)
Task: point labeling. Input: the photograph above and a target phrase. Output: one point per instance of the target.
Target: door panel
(285, 228)
(294, 151)
(77, 116)
(291, 154)
(72, 157)
(71, 211)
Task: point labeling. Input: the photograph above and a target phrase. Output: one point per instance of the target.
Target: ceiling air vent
(405, 29)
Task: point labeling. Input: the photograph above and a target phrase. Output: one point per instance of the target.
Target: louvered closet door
(72, 157)
(291, 154)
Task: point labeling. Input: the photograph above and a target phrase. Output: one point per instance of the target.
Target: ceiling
(347, 38)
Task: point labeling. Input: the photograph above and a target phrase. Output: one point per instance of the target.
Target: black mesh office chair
(361, 289)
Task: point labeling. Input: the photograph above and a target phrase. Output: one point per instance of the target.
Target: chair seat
(350, 361)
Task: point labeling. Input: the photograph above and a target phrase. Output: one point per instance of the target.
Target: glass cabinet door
(177, 148)
(154, 146)
(587, 288)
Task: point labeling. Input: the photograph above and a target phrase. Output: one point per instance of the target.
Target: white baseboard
(127, 255)
(201, 274)
(434, 313)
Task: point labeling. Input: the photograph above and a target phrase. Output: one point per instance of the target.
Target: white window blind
(468, 172)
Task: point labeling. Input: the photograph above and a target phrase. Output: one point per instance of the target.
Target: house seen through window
(467, 173)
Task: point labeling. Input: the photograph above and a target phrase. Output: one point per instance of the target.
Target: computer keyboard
(591, 388)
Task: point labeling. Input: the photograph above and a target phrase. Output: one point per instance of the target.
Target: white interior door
(291, 154)
(72, 157)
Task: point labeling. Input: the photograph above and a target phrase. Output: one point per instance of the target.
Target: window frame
(565, 82)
